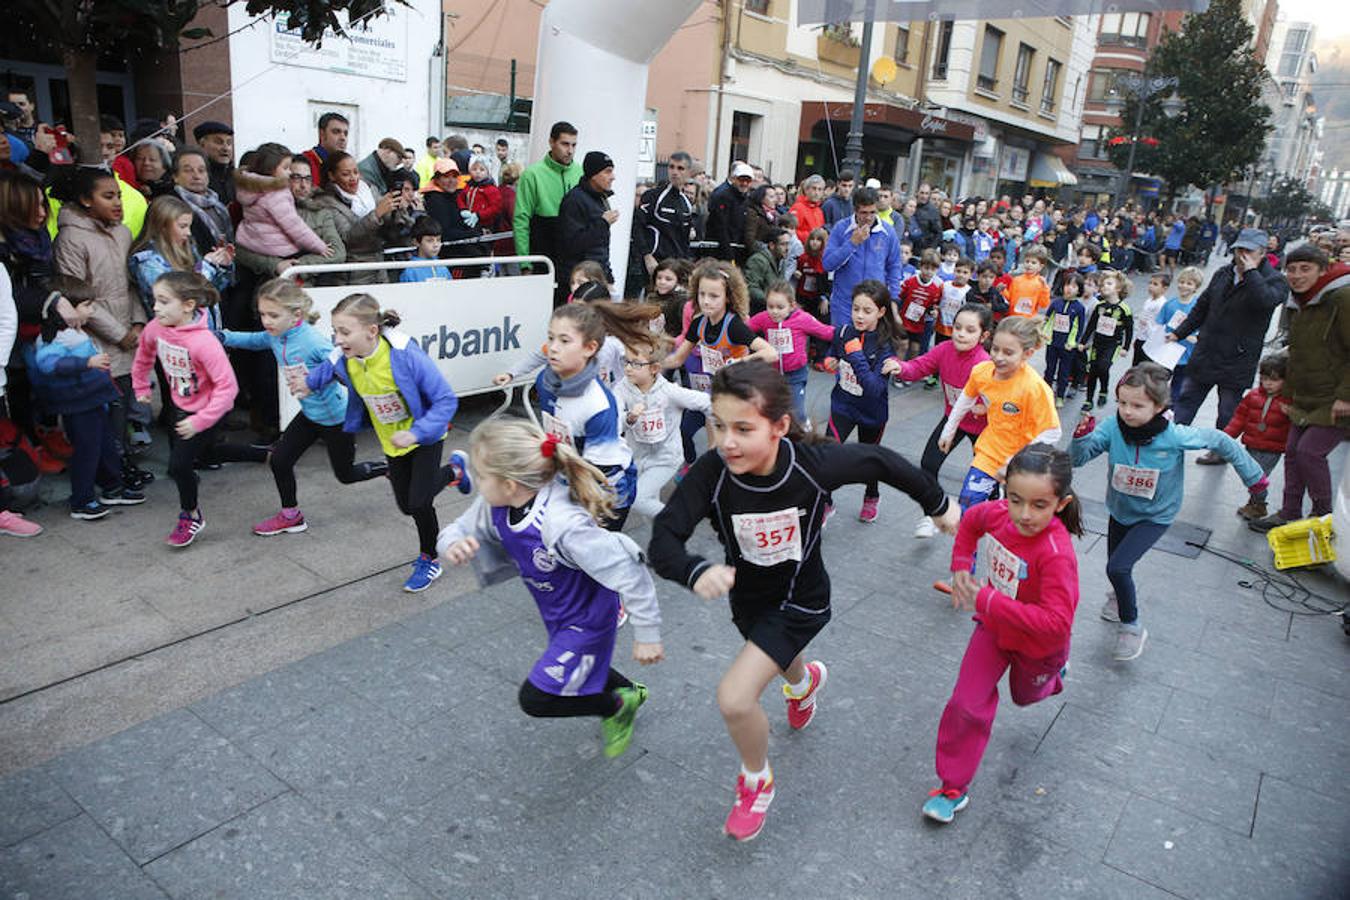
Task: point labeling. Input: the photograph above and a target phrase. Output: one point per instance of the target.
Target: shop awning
(1049, 171)
(882, 120)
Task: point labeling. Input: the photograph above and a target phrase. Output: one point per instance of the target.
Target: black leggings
(417, 478)
(298, 437)
(543, 705)
(1099, 373)
(183, 452)
(933, 457)
(841, 426)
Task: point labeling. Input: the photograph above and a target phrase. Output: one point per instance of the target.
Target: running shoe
(1111, 609)
(1059, 403)
(89, 511)
(459, 464)
(15, 525)
(617, 729)
(281, 524)
(746, 820)
(135, 477)
(186, 531)
(926, 528)
(868, 513)
(942, 806)
(425, 571)
(1129, 643)
(122, 496)
(801, 710)
(1087, 405)
(1101, 400)
(930, 382)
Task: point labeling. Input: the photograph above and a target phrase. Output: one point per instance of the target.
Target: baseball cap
(1250, 239)
(742, 170)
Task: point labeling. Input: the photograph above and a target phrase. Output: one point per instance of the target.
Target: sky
(1330, 25)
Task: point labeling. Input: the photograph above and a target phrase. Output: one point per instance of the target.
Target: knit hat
(596, 161)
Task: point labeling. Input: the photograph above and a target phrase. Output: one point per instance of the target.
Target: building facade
(1292, 145)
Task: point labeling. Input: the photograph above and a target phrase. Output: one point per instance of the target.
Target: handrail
(327, 268)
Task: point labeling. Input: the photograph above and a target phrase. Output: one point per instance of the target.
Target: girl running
(1109, 330)
(288, 317)
(1017, 402)
(537, 507)
(1174, 312)
(652, 408)
(789, 330)
(765, 492)
(1023, 611)
(952, 362)
(1147, 455)
(1066, 324)
(862, 356)
(201, 383)
(609, 358)
(396, 388)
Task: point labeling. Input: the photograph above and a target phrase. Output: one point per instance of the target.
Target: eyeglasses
(636, 363)
(295, 177)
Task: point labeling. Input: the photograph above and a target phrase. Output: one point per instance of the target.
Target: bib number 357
(767, 539)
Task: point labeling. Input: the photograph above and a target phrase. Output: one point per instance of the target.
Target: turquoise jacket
(302, 345)
(1166, 453)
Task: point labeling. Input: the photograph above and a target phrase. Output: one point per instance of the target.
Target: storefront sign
(380, 51)
(921, 124)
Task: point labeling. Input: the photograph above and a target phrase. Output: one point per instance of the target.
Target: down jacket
(88, 249)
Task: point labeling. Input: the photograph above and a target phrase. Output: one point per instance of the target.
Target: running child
(537, 510)
(609, 358)
(954, 295)
(986, 291)
(1147, 320)
(918, 294)
(586, 271)
(1261, 422)
(667, 290)
(789, 330)
(1147, 455)
(1090, 297)
(952, 361)
(1174, 312)
(652, 408)
(1018, 405)
(287, 316)
(765, 492)
(201, 384)
(71, 378)
(1029, 293)
(1023, 611)
(393, 386)
(862, 356)
(1066, 324)
(1108, 332)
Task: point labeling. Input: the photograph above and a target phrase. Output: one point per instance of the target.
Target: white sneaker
(1111, 609)
(925, 528)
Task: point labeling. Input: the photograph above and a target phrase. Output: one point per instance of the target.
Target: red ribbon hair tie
(550, 444)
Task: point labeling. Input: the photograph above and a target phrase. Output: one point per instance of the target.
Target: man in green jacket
(765, 266)
(538, 194)
(1318, 384)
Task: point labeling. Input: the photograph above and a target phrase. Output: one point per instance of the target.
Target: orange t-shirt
(1028, 295)
(1017, 409)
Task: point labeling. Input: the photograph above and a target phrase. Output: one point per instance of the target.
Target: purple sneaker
(186, 531)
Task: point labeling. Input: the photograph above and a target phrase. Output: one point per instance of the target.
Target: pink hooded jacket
(271, 226)
(201, 381)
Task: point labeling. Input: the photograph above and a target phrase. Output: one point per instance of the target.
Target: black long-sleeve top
(742, 511)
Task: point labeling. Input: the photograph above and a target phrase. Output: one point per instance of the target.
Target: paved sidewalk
(397, 764)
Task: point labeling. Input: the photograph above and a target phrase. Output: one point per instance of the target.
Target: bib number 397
(767, 539)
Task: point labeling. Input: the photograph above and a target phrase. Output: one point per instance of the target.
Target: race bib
(557, 427)
(650, 427)
(387, 409)
(1006, 569)
(700, 382)
(294, 371)
(767, 539)
(1023, 306)
(848, 379)
(951, 305)
(808, 284)
(951, 393)
(1175, 322)
(914, 311)
(177, 364)
(712, 359)
(1061, 325)
(1134, 481)
(780, 339)
(1106, 326)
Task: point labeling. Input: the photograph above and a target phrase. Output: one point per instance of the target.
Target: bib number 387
(767, 539)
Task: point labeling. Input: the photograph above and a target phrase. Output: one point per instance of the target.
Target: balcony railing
(985, 83)
(1020, 93)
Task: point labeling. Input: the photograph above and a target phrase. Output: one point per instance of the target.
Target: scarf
(573, 385)
(208, 210)
(1144, 434)
(362, 202)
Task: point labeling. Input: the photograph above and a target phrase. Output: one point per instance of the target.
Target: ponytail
(366, 310)
(1043, 459)
(516, 450)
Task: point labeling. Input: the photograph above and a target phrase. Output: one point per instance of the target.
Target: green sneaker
(618, 728)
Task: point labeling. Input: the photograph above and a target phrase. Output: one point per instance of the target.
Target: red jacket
(809, 217)
(1261, 421)
(485, 200)
(916, 299)
(1042, 571)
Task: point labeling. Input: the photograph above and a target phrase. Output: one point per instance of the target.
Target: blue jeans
(1058, 362)
(1125, 544)
(796, 380)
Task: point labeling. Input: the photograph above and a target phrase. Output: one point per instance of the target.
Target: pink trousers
(964, 730)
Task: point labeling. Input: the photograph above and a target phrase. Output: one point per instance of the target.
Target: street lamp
(1141, 87)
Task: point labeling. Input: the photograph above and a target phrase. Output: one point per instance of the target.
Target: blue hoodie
(864, 393)
(428, 395)
(61, 376)
(1166, 454)
(301, 345)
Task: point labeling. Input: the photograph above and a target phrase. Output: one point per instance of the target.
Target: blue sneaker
(425, 571)
(459, 464)
(942, 806)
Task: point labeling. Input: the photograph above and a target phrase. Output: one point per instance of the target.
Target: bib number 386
(1135, 481)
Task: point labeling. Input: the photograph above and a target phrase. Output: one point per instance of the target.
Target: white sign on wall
(1013, 166)
(379, 51)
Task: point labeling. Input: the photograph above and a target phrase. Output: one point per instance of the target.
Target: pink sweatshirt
(953, 368)
(201, 381)
(271, 226)
(1032, 592)
(801, 325)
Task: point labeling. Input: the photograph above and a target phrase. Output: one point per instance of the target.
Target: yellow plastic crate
(1307, 542)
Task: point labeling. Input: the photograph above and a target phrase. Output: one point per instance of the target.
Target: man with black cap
(726, 214)
(584, 216)
(1231, 315)
(217, 140)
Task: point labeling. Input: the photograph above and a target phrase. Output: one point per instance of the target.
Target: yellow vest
(134, 206)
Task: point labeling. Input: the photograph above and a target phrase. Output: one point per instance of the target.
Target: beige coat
(87, 249)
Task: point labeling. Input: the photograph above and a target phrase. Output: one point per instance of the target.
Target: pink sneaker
(185, 532)
(869, 510)
(15, 525)
(281, 524)
(801, 710)
(746, 820)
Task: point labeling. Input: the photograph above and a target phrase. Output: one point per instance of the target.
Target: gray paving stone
(268, 700)
(1311, 828)
(72, 859)
(1311, 711)
(30, 801)
(162, 783)
(1061, 804)
(283, 849)
(1194, 859)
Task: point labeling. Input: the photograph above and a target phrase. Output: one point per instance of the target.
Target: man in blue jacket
(861, 247)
